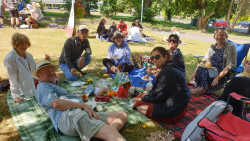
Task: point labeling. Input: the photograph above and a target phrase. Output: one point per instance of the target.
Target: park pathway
(197, 36)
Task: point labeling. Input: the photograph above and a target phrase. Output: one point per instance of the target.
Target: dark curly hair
(163, 52)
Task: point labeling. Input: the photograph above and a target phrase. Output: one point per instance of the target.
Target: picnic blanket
(196, 105)
(136, 75)
(127, 40)
(33, 123)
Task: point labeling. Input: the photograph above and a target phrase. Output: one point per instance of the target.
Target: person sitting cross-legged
(71, 60)
(69, 114)
(118, 55)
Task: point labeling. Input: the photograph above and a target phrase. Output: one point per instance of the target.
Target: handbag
(137, 61)
(212, 72)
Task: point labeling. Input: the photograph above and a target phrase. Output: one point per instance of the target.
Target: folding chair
(228, 127)
(242, 51)
(242, 99)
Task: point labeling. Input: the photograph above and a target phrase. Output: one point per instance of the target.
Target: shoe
(13, 26)
(18, 26)
(109, 71)
(82, 73)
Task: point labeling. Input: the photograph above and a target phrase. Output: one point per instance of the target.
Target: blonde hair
(220, 29)
(34, 5)
(173, 29)
(17, 38)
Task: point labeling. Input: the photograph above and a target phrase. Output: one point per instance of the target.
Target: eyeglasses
(156, 57)
(174, 41)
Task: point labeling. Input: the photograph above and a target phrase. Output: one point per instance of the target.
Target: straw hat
(42, 64)
(117, 34)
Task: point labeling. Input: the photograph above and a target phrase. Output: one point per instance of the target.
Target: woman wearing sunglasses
(222, 56)
(118, 56)
(169, 97)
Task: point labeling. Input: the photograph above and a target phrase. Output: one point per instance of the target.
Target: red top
(122, 27)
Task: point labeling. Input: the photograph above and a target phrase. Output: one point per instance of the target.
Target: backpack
(4, 85)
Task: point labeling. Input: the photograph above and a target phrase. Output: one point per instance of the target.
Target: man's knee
(123, 116)
(87, 60)
(107, 132)
(72, 77)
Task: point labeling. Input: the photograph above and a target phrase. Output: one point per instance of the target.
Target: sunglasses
(156, 57)
(174, 41)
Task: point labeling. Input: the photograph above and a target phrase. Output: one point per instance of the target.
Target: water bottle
(116, 79)
(149, 87)
(101, 38)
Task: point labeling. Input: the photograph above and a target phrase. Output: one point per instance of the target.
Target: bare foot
(198, 90)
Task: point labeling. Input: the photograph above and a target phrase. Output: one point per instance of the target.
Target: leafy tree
(203, 9)
(109, 7)
(86, 4)
(242, 5)
(150, 7)
(168, 8)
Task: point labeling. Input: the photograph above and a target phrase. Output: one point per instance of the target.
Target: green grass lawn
(50, 41)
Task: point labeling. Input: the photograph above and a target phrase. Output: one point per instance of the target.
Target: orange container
(123, 90)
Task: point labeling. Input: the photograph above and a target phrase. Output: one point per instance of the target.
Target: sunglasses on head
(174, 41)
(156, 57)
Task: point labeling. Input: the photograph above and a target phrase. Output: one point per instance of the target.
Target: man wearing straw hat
(69, 114)
(71, 60)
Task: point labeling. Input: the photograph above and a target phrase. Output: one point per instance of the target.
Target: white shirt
(20, 74)
(134, 34)
(35, 14)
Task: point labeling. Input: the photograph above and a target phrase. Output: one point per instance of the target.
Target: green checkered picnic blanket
(33, 123)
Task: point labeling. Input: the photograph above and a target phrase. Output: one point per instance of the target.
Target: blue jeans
(67, 72)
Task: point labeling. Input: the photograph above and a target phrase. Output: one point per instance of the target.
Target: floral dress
(202, 78)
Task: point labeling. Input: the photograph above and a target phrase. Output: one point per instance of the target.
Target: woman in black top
(169, 97)
(101, 30)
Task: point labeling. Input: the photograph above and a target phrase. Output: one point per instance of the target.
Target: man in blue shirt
(21, 5)
(69, 114)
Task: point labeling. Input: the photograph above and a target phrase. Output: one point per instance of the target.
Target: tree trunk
(168, 14)
(204, 20)
(240, 5)
(200, 20)
(228, 16)
(87, 10)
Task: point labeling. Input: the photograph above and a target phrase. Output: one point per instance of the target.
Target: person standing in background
(2, 9)
(14, 13)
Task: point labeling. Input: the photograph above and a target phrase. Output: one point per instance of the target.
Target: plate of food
(133, 101)
(206, 65)
(102, 99)
(77, 83)
(147, 78)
